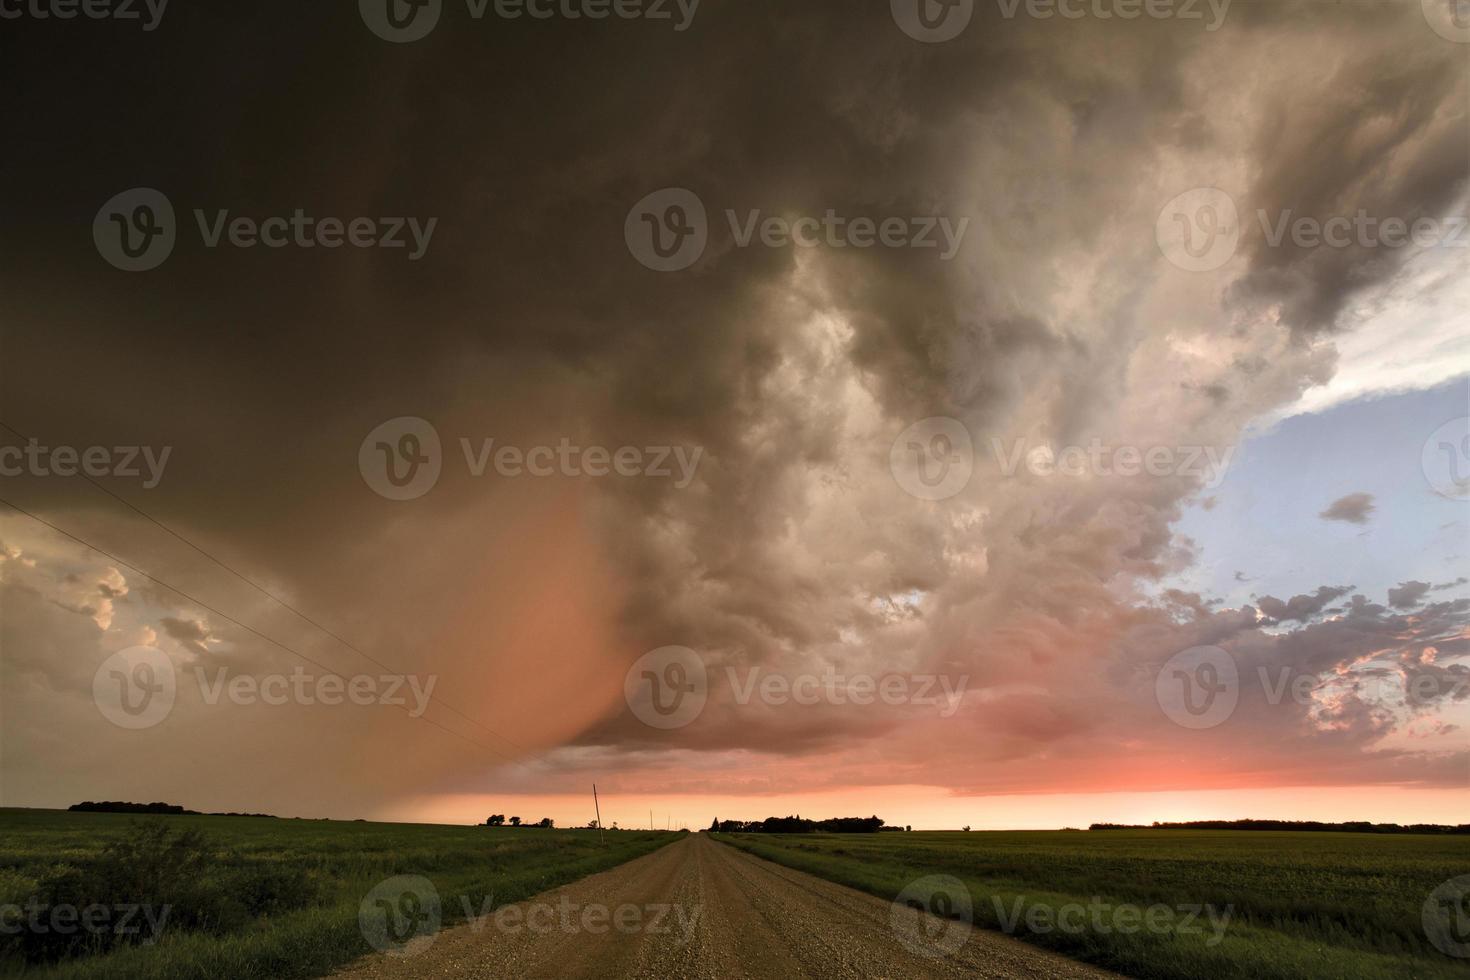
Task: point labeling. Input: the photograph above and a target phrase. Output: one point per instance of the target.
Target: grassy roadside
(259, 897)
(1300, 905)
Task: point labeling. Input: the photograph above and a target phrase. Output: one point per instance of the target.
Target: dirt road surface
(700, 909)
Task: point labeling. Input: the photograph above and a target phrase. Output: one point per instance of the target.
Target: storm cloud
(1059, 321)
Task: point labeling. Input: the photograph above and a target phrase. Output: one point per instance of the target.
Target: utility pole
(598, 808)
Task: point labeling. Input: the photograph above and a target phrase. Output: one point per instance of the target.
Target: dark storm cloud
(190, 633)
(1407, 595)
(1354, 508)
(1383, 134)
(1300, 608)
(793, 370)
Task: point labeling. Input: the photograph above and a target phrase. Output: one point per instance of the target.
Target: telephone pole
(598, 808)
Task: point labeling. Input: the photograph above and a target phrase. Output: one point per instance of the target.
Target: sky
(782, 517)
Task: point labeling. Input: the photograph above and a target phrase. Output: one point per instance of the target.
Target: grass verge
(1299, 904)
(255, 897)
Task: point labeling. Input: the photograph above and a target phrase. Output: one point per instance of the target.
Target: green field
(1300, 904)
(255, 896)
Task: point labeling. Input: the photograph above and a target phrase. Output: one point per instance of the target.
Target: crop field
(93, 895)
(1170, 903)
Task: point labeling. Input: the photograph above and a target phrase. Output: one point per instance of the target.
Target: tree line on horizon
(799, 825)
(1350, 826)
(117, 806)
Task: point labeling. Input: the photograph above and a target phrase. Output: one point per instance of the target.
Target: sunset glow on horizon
(927, 808)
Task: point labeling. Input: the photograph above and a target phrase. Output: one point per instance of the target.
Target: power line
(261, 589)
(226, 616)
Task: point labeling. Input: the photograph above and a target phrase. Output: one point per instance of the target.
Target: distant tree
(615, 825)
(592, 825)
(496, 820)
(515, 821)
(714, 828)
(113, 806)
(546, 823)
(966, 828)
(908, 827)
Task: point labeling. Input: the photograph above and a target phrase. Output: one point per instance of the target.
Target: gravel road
(700, 909)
